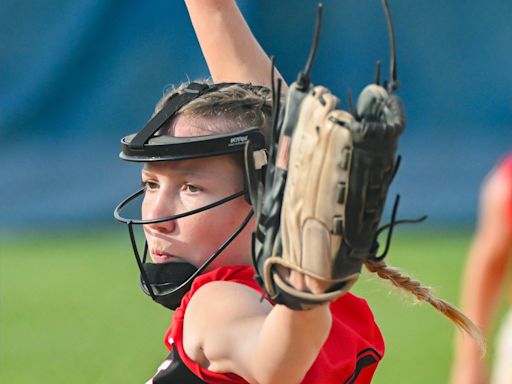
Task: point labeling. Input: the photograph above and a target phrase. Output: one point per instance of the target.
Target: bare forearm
(483, 282)
(481, 290)
(290, 341)
(231, 51)
(484, 276)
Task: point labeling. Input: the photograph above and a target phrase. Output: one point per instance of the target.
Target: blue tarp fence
(75, 76)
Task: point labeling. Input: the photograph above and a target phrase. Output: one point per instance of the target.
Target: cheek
(205, 227)
(215, 225)
(227, 220)
(144, 209)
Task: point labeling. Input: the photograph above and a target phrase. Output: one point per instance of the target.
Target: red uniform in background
(351, 353)
(505, 167)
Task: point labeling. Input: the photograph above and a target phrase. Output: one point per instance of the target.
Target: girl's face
(174, 187)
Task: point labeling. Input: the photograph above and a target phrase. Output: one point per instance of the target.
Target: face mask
(167, 283)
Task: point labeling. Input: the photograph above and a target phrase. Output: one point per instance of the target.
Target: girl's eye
(190, 188)
(149, 185)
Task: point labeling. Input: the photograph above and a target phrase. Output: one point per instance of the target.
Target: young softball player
(485, 277)
(221, 330)
(198, 225)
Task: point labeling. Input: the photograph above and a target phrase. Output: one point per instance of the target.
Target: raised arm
(231, 51)
(484, 276)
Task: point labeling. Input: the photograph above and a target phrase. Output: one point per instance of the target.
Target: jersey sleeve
(353, 348)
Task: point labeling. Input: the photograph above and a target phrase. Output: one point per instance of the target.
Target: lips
(162, 257)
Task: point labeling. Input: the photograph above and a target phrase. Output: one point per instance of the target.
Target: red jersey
(351, 353)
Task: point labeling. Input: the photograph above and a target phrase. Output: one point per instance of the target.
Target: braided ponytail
(423, 293)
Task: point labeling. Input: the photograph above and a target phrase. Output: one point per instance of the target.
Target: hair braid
(423, 293)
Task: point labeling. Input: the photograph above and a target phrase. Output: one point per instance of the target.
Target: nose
(159, 207)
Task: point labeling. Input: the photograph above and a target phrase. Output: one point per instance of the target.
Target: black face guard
(167, 283)
(147, 145)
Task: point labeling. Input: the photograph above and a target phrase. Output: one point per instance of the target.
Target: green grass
(71, 310)
(418, 338)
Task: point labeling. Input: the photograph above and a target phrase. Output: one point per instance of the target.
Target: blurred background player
(485, 277)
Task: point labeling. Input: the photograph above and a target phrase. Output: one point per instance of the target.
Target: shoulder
(224, 293)
(499, 180)
(218, 311)
(505, 165)
(496, 193)
(228, 298)
(497, 185)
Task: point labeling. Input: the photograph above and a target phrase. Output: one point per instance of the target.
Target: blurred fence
(77, 75)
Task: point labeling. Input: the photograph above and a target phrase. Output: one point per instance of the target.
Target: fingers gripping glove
(333, 189)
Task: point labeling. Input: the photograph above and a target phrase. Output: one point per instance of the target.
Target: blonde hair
(423, 293)
(227, 109)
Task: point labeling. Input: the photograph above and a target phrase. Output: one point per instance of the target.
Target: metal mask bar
(139, 262)
(219, 250)
(208, 261)
(118, 217)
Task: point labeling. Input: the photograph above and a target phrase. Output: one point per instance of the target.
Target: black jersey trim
(365, 358)
(176, 372)
(365, 351)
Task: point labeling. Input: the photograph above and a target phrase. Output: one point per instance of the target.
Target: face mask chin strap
(140, 262)
(137, 258)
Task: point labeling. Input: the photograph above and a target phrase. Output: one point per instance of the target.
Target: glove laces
(390, 226)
